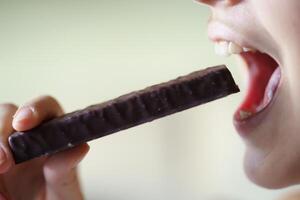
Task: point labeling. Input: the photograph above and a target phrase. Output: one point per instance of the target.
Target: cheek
(272, 160)
(280, 19)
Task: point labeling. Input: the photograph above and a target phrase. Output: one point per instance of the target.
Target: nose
(219, 2)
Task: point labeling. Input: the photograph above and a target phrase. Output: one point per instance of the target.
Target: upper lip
(218, 31)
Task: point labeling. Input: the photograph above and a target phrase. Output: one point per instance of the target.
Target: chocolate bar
(122, 113)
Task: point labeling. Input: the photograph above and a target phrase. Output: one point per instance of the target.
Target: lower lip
(247, 126)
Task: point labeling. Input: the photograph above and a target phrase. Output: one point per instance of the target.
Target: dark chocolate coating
(123, 112)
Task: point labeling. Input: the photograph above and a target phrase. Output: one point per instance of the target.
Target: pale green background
(85, 52)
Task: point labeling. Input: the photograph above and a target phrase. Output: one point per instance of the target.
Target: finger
(36, 111)
(60, 174)
(6, 116)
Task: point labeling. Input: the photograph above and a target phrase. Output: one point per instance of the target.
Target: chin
(268, 171)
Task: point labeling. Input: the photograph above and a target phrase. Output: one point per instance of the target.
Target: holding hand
(47, 178)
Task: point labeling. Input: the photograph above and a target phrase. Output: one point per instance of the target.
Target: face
(266, 35)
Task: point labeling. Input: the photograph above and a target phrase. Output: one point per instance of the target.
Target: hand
(46, 178)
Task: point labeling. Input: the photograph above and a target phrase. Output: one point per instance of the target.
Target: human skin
(294, 195)
(272, 157)
(48, 178)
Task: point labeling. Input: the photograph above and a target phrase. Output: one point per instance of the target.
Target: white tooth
(244, 114)
(221, 48)
(270, 94)
(234, 48)
(247, 49)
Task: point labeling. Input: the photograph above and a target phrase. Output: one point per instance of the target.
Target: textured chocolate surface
(123, 112)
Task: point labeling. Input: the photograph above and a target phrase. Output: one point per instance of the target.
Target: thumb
(61, 175)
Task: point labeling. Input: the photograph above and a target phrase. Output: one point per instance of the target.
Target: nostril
(219, 2)
(233, 2)
(208, 2)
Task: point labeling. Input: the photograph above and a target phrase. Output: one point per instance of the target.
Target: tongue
(263, 81)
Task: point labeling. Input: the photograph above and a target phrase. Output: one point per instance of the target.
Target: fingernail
(23, 113)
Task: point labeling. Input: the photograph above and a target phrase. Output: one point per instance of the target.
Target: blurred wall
(85, 52)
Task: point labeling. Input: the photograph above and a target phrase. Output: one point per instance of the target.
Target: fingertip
(61, 164)
(68, 159)
(85, 148)
(24, 118)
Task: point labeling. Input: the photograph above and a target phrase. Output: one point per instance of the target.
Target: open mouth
(264, 77)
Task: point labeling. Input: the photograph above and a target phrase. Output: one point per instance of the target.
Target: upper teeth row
(226, 48)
